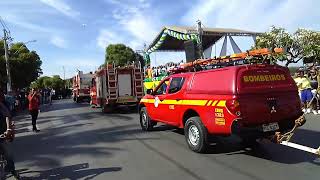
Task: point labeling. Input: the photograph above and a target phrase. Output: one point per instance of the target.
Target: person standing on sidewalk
(34, 102)
(304, 87)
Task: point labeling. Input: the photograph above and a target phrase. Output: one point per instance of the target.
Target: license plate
(270, 127)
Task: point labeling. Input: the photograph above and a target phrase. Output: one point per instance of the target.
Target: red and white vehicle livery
(114, 86)
(81, 86)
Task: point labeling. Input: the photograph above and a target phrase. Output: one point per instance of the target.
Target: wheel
(108, 108)
(133, 108)
(145, 121)
(196, 135)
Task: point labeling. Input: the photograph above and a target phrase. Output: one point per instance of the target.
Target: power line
(4, 25)
(6, 37)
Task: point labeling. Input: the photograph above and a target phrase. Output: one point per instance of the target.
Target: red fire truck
(112, 86)
(228, 95)
(81, 86)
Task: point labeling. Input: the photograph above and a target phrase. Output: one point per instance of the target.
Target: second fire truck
(113, 86)
(81, 86)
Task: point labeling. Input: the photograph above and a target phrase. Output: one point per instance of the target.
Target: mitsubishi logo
(272, 103)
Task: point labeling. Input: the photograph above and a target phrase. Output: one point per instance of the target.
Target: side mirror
(149, 91)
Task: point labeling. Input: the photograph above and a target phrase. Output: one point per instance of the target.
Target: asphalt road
(77, 142)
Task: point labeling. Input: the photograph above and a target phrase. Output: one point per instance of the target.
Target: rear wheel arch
(188, 114)
(141, 106)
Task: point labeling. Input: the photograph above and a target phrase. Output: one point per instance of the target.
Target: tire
(133, 108)
(196, 135)
(108, 108)
(145, 121)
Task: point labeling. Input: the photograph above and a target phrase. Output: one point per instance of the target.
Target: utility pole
(5, 38)
(64, 73)
(64, 77)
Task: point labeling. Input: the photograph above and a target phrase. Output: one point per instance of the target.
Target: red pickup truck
(252, 101)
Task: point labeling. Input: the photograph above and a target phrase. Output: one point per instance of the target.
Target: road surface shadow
(265, 150)
(63, 104)
(123, 110)
(66, 142)
(67, 172)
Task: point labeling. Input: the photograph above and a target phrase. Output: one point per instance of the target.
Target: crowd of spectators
(153, 73)
(308, 82)
(17, 101)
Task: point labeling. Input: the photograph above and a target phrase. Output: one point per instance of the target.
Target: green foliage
(119, 54)
(293, 69)
(54, 82)
(302, 43)
(25, 65)
(140, 59)
(310, 40)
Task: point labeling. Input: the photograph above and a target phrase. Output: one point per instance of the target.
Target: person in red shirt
(34, 107)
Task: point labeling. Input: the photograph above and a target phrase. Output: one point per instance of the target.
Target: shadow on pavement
(124, 110)
(42, 149)
(68, 172)
(63, 104)
(269, 151)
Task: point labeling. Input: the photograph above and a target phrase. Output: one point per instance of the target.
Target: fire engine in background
(81, 86)
(112, 86)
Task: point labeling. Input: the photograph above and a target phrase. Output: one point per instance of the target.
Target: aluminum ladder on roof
(112, 83)
(138, 80)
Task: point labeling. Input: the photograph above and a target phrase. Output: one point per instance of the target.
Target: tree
(25, 65)
(57, 82)
(140, 59)
(119, 54)
(310, 40)
(54, 82)
(299, 45)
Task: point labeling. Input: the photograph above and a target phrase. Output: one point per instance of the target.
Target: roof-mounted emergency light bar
(253, 54)
(235, 57)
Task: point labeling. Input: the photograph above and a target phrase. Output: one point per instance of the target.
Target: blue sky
(74, 33)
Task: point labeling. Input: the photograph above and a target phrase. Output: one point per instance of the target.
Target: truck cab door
(157, 109)
(172, 101)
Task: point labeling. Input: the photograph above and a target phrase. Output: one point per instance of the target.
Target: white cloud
(107, 37)
(140, 26)
(27, 25)
(254, 15)
(59, 42)
(201, 11)
(136, 25)
(71, 65)
(81, 62)
(62, 7)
